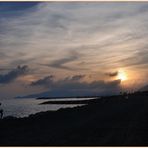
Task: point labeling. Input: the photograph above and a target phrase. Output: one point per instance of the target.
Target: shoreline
(110, 121)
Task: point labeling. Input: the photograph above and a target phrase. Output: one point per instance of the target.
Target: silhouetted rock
(70, 101)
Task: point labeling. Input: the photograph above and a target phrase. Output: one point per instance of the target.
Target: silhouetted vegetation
(109, 121)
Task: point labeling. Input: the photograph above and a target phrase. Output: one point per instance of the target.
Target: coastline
(111, 121)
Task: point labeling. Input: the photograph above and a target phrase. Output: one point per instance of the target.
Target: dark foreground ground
(110, 121)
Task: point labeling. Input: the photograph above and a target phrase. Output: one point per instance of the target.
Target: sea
(25, 107)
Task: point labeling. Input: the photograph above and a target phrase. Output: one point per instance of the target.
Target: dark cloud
(73, 86)
(74, 78)
(77, 77)
(112, 74)
(46, 81)
(13, 74)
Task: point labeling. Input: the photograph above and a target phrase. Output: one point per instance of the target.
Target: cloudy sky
(77, 48)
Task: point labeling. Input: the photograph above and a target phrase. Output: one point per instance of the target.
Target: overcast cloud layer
(64, 39)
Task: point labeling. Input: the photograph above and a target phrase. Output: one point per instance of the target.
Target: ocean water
(25, 107)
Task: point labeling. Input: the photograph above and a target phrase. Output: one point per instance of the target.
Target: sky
(72, 48)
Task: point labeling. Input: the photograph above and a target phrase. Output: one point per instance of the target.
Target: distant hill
(42, 94)
(45, 95)
(70, 94)
(48, 94)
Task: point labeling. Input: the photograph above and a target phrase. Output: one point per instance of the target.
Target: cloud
(46, 81)
(77, 77)
(45, 27)
(136, 60)
(5, 69)
(13, 74)
(112, 74)
(49, 80)
(51, 32)
(73, 86)
(61, 63)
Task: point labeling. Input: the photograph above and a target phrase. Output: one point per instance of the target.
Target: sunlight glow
(122, 75)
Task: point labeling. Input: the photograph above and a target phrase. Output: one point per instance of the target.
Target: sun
(122, 75)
